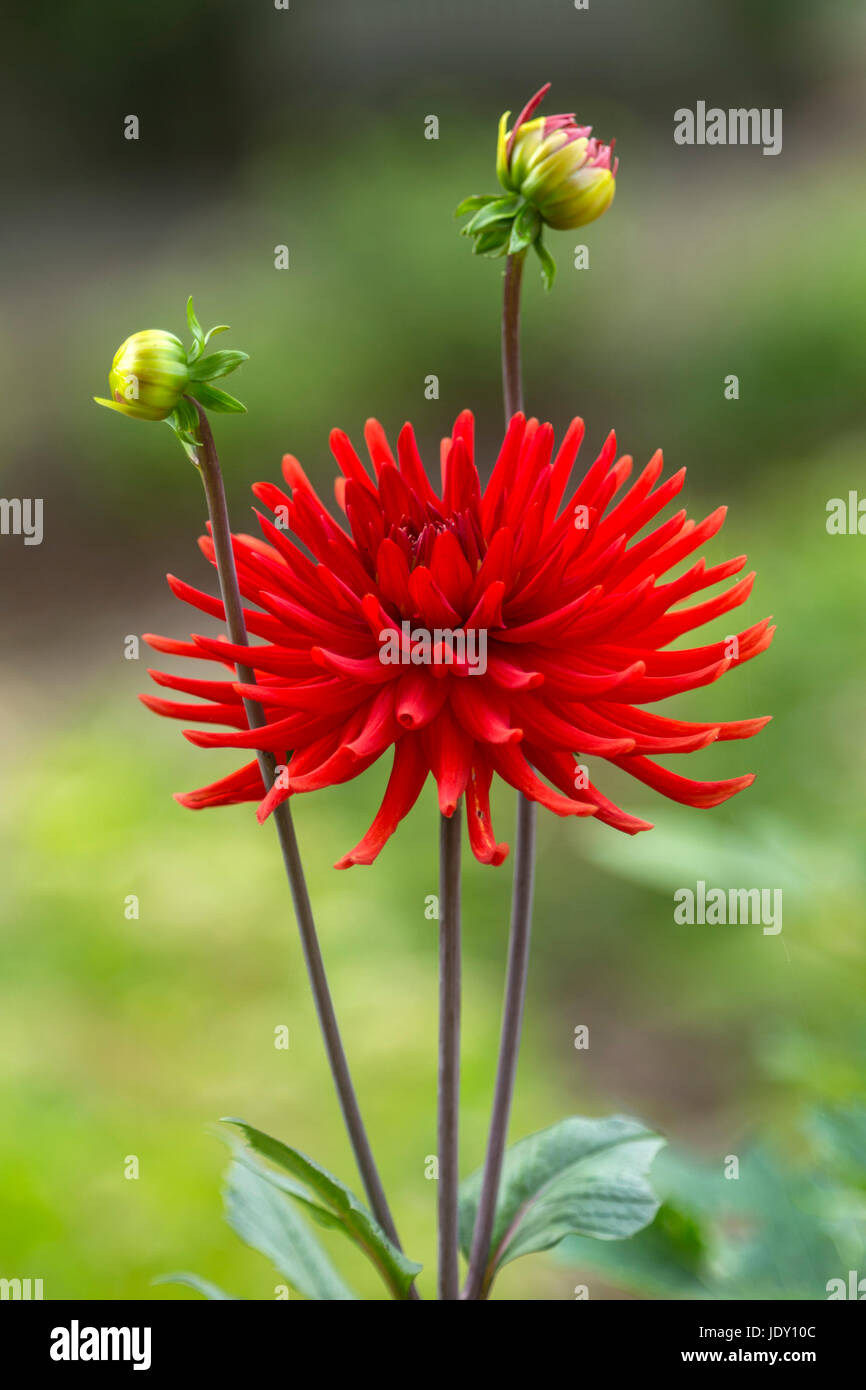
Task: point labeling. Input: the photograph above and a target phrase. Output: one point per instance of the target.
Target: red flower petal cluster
(573, 608)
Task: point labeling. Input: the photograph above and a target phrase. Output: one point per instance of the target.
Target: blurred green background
(305, 127)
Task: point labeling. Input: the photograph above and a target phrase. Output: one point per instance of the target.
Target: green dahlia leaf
(330, 1203)
(260, 1214)
(579, 1177)
(203, 1286)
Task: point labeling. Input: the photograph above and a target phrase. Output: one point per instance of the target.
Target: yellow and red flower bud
(557, 165)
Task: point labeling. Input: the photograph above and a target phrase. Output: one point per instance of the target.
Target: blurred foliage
(787, 1230)
(305, 128)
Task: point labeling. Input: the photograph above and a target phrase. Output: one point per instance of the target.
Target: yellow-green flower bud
(148, 376)
(154, 377)
(557, 165)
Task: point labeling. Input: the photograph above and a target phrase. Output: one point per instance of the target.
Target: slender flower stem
(449, 1050)
(512, 1019)
(524, 878)
(512, 384)
(211, 475)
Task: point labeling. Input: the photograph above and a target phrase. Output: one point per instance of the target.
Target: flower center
(416, 540)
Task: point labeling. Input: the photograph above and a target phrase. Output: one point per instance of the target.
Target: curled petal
(683, 789)
(244, 785)
(481, 837)
(408, 775)
(510, 763)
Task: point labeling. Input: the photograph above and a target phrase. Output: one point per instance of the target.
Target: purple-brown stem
(524, 877)
(450, 829)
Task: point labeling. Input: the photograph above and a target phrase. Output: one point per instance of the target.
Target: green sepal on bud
(184, 421)
(506, 227)
(154, 377)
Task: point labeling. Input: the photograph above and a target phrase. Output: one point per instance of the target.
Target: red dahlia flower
(570, 604)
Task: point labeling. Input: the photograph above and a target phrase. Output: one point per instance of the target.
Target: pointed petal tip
(731, 789)
(198, 737)
(350, 860)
